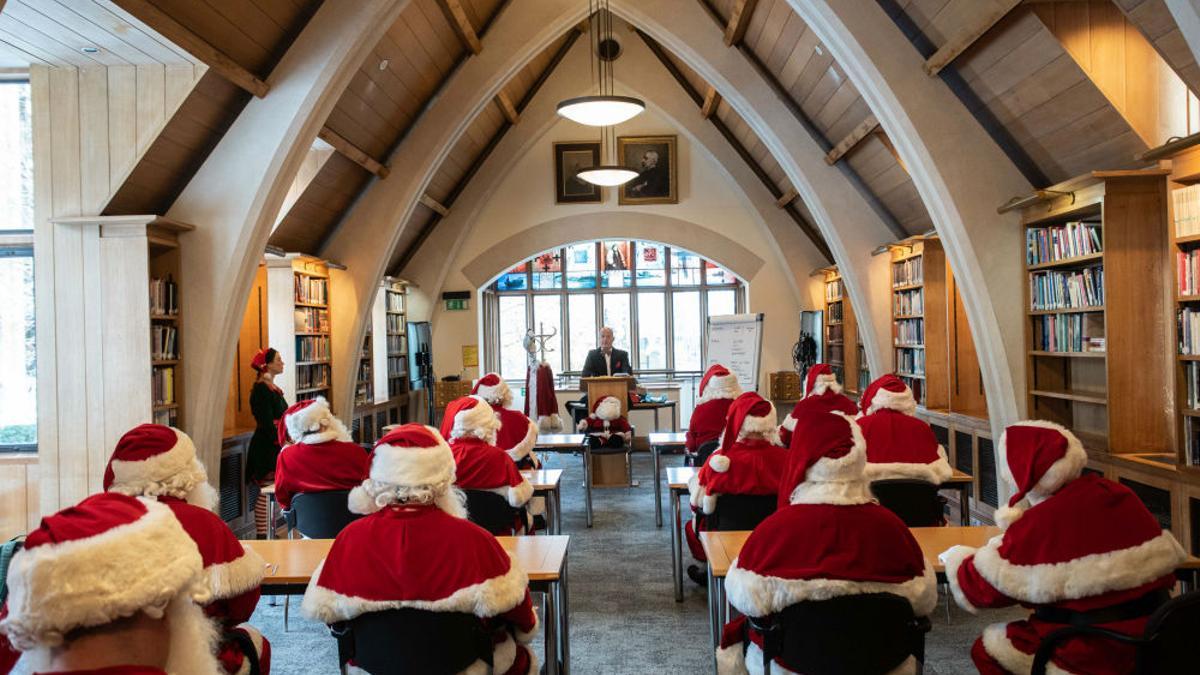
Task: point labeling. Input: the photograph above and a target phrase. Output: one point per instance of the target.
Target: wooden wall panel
(19, 510)
(1153, 19)
(966, 382)
(252, 337)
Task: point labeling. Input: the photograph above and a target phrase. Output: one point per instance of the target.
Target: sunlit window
(18, 355)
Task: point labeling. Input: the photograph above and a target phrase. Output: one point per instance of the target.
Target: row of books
(310, 377)
(833, 312)
(312, 290)
(164, 342)
(311, 320)
(907, 303)
(907, 272)
(395, 323)
(1187, 272)
(1191, 375)
(833, 332)
(834, 290)
(162, 385)
(167, 417)
(1069, 333)
(395, 301)
(836, 353)
(395, 344)
(1053, 289)
(1189, 331)
(395, 366)
(164, 297)
(1187, 210)
(1059, 242)
(910, 332)
(312, 348)
(918, 388)
(910, 361)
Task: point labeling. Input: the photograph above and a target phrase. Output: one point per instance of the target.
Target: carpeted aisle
(623, 616)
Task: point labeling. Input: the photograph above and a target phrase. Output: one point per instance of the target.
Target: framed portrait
(570, 159)
(653, 157)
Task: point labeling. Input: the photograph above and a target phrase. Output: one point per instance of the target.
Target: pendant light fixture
(605, 108)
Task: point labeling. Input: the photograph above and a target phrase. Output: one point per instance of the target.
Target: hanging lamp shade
(607, 176)
(600, 111)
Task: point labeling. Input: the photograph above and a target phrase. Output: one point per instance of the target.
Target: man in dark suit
(605, 360)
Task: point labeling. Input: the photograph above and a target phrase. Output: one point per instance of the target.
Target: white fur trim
(487, 598)
(360, 501)
(763, 427)
(1007, 515)
(845, 468)
(731, 661)
(257, 641)
(999, 647)
(608, 409)
(952, 558)
(723, 387)
(231, 579)
(315, 424)
(172, 473)
(519, 494)
(708, 503)
(694, 490)
(504, 653)
(789, 423)
(525, 447)
(1066, 469)
(841, 493)
(824, 383)
(1082, 577)
(525, 637)
(937, 472)
(479, 421)
(759, 595)
(500, 394)
(901, 402)
(549, 422)
(719, 463)
(414, 466)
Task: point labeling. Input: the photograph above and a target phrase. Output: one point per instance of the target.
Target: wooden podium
(609, 470)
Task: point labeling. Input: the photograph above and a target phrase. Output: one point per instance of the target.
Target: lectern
(612, 468)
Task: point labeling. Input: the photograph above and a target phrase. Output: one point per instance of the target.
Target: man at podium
(605, 360)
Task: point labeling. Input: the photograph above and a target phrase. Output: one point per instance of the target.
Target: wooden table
(673, 443)
(291, 562)
(545, 483)
(962, 482)
(656, 406)
(572, 443)
(677, 484)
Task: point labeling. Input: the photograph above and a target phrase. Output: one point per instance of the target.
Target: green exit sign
(456, 305)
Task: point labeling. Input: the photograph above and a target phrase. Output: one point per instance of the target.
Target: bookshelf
(843, 349)
(299, 325)
(1184, 186)
(918, 270)
(396, 313)
(364, 383)
(163, 266)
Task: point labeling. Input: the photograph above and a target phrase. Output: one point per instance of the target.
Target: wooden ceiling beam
(462, 24)
(852, 139)
(887, 143)
(352, 152)
(966, 37)
(787, 198)
(739, 21)
(161, 23)
(711, 100)
(435, 205)
(506, 106)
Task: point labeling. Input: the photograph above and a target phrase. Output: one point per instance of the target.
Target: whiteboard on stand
(735, 341)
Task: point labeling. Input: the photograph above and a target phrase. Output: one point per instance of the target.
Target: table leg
(656, 419)
(271, 516)
(587, 481)
(558, 514)
(550, 627)
(722, 610)
(654, 451)
(564, 618)
(676, 547)
(675, 417)
(964, 504)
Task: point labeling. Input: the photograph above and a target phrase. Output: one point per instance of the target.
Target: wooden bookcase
(364, 383)
(1184, 233)
(841, 343)
(166, 372)
(1104, 375)
(919, 336)
(396, 311)
(299, 325)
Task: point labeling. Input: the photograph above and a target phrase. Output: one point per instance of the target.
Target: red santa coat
(604, 429)
(707, 423)
(479, 465)
(517, 436)
(824, 402)
(1090, 545)
(424, 558)
(112, 670)
(748, 467)
(319, 467)
(903, 446)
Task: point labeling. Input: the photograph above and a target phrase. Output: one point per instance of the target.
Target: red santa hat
(819, 379)
(409, 456)
(493, 389)
(748, 414)
(718, 383)
(827, 462)
(311, 422)
(1036, 459)
(106, 558)
(152, 460)
(607, 408)
(470, 417)
(888, 392)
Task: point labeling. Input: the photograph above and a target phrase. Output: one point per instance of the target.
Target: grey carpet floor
(623, 616)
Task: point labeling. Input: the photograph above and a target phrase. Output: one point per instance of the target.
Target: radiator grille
(231, 487)
(962, 452)
(989, 491)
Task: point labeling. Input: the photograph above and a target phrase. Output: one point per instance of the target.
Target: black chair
(847, 635)
(413, 641)
(491, 511)
(320, 515)
(740, 512)
(1168, 644)
(707, 448)
(917, 502)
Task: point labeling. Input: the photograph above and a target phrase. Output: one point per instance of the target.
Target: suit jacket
(593, 365)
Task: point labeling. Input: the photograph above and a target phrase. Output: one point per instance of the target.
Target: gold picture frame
(655, 184)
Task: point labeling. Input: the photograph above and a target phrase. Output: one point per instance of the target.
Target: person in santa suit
(1076, 549)
(831, 540)
(899, 445)
(517, 434)
(470, 426)
(417, 549)
(321, 456)
(605, 428)
(718, 388)
(109, 586)
(748, 462)
(156, 461)
(822, 393)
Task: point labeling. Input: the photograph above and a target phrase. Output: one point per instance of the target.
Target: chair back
(870, 633)
(490, 511)
(917, 502)
(1170, 638)
(411, 641)
(741, 512)
(321, 515)
(707, 448)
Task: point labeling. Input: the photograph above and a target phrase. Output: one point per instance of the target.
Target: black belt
(1133, 609)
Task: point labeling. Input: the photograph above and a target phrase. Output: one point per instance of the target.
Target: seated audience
(605, 427)
(321, 456)
(1077, 549)
(831, 541)
(822, 394)
(718, 388)
(899, 445)
(110, 586)
(157, 461)
(748, 462)
(418, 550)
(517, 434)
(470, 426)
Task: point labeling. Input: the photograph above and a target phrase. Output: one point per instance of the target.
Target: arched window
(655, 298)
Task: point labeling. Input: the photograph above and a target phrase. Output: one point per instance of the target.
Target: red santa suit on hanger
(1074, 547)
(822, 393)
(604, 426)
(417, 549)
(899, 445)
(321, 457)
(802, 552)
(750, 461)
(718, 388)
(470, 426)
(157, 461)
(517, 434)
(108, 558)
